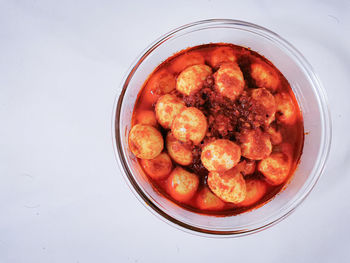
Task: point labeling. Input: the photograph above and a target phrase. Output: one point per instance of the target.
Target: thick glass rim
(318, 91)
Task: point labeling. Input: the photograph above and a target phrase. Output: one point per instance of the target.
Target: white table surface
(62, 198)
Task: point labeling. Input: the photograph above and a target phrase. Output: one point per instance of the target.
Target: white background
(62, 197)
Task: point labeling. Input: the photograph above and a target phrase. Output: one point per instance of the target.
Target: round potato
(285, 108)
(275, 168)
(220, 155)
(265, 76)
(266, 104)
(275, 136)
(182, 185)
(159, 84)
(190, 126)
(145, 141)
(249, 167)
(229, 186)
(255, 144)
(246, 167)
(186, 60)
(192, 78)
(229, 81)
(167, 107)
(256, 189)
(159, 167)
(206, 200)
(146, 117)
(178, 151)
(221, 55)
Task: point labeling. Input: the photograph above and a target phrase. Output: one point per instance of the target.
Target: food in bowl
(216, 129)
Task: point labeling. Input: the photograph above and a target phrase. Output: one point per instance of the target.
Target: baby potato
(275, 136)
(190, 125)
(229, 186)
(147, 117)
(275, 168)
(220, 155)
(160, 83)
(178, 151)
(206, 200)
(246, 167)
(186, 60)
(167, 107)
(182, 185)
(229, 81)
(286, 108)
(266, 102)
(265, 76)
(145, 141)
(221, 55)
(159, 167)
(249, 167)
(256, 189)
(192, 78)
(255, 144)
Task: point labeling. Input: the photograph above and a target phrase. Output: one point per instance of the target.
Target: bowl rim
(138, 192)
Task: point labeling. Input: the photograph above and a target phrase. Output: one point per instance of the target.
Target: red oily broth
(292, 134)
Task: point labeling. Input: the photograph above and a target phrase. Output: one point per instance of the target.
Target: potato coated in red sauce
(227, 118)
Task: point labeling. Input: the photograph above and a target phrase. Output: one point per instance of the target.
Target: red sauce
(226, 118)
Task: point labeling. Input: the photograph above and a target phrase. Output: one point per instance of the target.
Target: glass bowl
(307, 89)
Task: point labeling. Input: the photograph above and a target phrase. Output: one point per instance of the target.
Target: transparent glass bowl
(308, 91)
